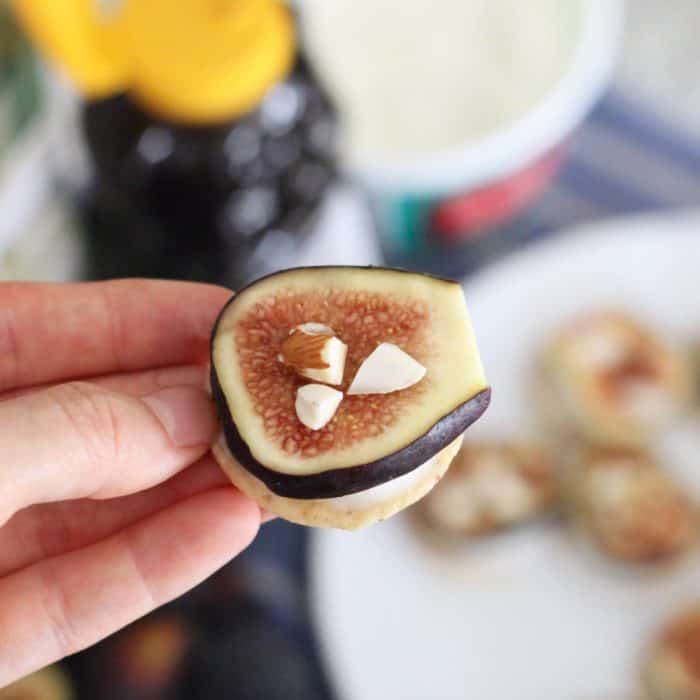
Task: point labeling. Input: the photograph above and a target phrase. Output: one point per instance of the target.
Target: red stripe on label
(468, 214)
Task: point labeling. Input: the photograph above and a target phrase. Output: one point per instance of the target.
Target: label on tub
(414, 224)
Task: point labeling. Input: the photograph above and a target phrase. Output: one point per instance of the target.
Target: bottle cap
(189, 61)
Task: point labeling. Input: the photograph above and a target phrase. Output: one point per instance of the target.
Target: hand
(109, 503)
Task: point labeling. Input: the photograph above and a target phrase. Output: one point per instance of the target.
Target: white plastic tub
(475, 186)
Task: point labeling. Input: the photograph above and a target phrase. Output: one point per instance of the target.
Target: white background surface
(660, 59)
(534, 615)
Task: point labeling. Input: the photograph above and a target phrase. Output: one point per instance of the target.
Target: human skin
(110, 503)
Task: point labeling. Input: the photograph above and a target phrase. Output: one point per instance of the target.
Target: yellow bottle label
(193, 61)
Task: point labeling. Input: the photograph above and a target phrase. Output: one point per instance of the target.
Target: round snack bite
(141, 662)
(50, 683)
(491, 487)
(613, 381)
(343, 392)
(672, 669)
(629, 507)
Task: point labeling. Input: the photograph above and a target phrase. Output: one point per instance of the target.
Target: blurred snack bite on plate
(490, 487)
(145, 661)
(455, 143)
(50, 683)
(695, 367)
(672, 668)
(628, 507)
(607, 378)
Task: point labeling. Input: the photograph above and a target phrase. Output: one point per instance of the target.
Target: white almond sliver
(387, 369)
(316, 404)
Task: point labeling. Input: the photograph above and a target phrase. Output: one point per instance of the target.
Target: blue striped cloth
(622, 160)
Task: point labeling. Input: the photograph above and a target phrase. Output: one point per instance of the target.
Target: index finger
(53, 332)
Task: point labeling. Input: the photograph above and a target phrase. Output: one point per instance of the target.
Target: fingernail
(186, 413)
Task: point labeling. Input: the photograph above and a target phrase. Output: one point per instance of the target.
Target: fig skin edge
(344, 481)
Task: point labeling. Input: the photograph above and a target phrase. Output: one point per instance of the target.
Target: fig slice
(372, 438)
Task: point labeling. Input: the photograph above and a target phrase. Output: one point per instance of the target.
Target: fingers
(134, 383)
(54, 332)
(62, 605)
(149, 381)
(50, 529)
(80, 440)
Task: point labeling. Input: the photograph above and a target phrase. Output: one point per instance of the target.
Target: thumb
(79, 440)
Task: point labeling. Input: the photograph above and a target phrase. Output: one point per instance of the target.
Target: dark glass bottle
(222, 203)
(212, 143)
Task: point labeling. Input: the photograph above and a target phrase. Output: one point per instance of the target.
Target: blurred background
(221, 140)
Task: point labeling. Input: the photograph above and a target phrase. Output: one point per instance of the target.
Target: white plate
(530, 616)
